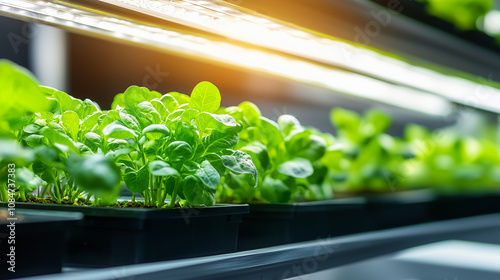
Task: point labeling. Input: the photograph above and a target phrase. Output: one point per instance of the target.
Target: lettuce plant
(286, 154)
(174, 145)
(42, 132)
(448, 162)
(369, 159)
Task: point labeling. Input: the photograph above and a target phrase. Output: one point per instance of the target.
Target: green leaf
(133, 96)
(87, 107)
(95, 173)
(189, 114)
(137, 181)
(179, 151)
(183, 132)
(216, 161)
(306, 145)
(34, 140)
(27, 179)
(66, 102)
(118, 131)
(217, 122)
(250, 111)
(118, 101)
(59, 140)
(94, 139)
(297, 167)
(379, 120)
(156, 131)
(208, 175)
(10, 150)
(258, 152)
(32, 128)
(90, 121)
(196, 193)
(269, 133)
(240, 162)
(218, 141)
(130, 121)
(180, 98)
(147, 108)
(205, 97)
(288, 123)
(161, 168)
(274, 190)
(170, 102)
(20, 92)
(160, 108)
(71, 122)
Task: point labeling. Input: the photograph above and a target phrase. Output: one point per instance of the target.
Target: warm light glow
(220, 18)
(280, 65)
(492, 23)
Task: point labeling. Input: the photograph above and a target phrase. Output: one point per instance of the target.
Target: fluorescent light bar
(224, 19)
(88, 21)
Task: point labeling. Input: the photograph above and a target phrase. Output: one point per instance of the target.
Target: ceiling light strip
(171, 41)
(227, 20)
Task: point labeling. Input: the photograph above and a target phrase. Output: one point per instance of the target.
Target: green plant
(174, 145)
(287, 156)
(463, 13)
(43, 135)
(366, 158)
(448, 162)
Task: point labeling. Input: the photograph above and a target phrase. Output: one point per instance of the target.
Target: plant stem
(174, 196)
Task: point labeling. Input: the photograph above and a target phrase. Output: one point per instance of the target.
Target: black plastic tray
(452, 206)
(277, 224)
(39, 241)
(121, 236)
(399, 209)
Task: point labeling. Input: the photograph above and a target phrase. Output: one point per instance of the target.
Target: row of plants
(189, 151)
(159, 146)
(178, 153)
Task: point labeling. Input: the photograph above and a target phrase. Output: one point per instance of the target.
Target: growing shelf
(295, 259)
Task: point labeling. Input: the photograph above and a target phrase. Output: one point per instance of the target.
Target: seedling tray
(453, 206)
(39, 240)
(122, 236)
(277, 224)
(398, 209)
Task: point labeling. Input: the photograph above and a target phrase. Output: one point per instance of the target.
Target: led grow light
(90, 21)
(227, 20)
